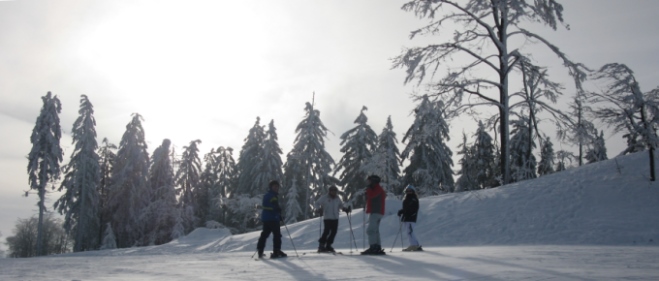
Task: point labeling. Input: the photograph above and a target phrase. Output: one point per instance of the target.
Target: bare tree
(484, 36)
(23, 242)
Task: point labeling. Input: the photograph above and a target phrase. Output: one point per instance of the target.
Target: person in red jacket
(375, 196)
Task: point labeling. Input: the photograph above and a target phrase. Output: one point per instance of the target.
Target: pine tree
(209, 182)
(468, 179)
(293, 210)
(358, 145)
(250, 156)
(309, 162)
(430, 158)
(546, 165)
(270, 165)
(522, 161)
(45, 157)
(484, 153)
(598, 150)
(226, 179)
(129, 194)
(80, 202)
(188, 184)
(109, 242)
(159, 217)
(385, 161)
(107, 157)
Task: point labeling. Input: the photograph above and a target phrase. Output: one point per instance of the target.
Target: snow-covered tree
(385, 161)
(563, 156)
(107, 155)
(129, 193)
(522, 161)
(249, 159)
(209, 182)
(626, 108)
(188, 184)
(159, 217)
(293, 210)
(490, 38)
(430, 158)
(547, 156)
(45, 157)
(269, 167)
(597, 151)
(357, 146)
(109, 241)
(484, 154)
(80, 202)
(244, 212)
(468, 179)
(308, 162)
(580, 131)
(226, 179)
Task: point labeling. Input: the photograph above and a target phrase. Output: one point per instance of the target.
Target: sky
(206, 69)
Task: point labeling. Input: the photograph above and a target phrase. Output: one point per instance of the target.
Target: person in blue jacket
(271, 217)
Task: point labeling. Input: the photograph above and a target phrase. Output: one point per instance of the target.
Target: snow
(597, 222)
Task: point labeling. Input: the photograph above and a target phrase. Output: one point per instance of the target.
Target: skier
(408, 217)
(271, 217)
(328, 206)
(375, 196)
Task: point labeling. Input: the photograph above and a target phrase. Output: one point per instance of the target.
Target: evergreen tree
(485, 162)
(129, 194)
(209, 183)
(430, 158)
(468, 173)
(226, 179)
(522, 161)
(159, 217)
(546, 165)
(45, 157)
(309, 162)
(250, 156)
(293, 210)
(80, 202)
(598, 150)
(109, 241)
(270, 165)
(107, 157)
(385, 161)
(188, 185)
(358, 145)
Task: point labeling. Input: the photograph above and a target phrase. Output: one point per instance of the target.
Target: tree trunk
(42, 207)
(652, 174)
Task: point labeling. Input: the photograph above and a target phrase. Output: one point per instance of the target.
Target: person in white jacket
(328, 206)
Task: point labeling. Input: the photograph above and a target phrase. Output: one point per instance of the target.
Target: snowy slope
(599, 221)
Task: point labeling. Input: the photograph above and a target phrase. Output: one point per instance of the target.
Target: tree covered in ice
(563, 157)
(625, 107)
(489, 40)
(522, 161)
(80, 202)
(129, 193)
(430, 158)
(45, 158)
(597, 151)
(580, 132)
(109, 241)
(308, 162)
(159, 217)
(357, 146)
(269, 167)
(188, 184)
(385, 161)
(468, 174)
(249, 159)
(107, 155)
(547, 157)
(293, 210)
(485, 161)
(226, 179)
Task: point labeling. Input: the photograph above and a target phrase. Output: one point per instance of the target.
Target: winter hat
(410, 187)
(273, 182)
(374, 179)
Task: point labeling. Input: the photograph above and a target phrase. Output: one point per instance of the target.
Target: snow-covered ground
(597, 222)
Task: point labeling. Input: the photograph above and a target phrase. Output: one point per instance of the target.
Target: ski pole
(364, 224)
(254, 253)
(400, 232)
(289, 236)
(352, 234)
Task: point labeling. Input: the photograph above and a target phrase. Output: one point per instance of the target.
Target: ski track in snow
(596, 222)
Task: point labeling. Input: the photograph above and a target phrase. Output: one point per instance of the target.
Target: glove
(400, 213)
(347, 209)
(319, 211)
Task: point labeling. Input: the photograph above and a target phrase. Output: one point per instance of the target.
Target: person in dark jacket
(408, 217)
(375, 198)
(271, 217)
